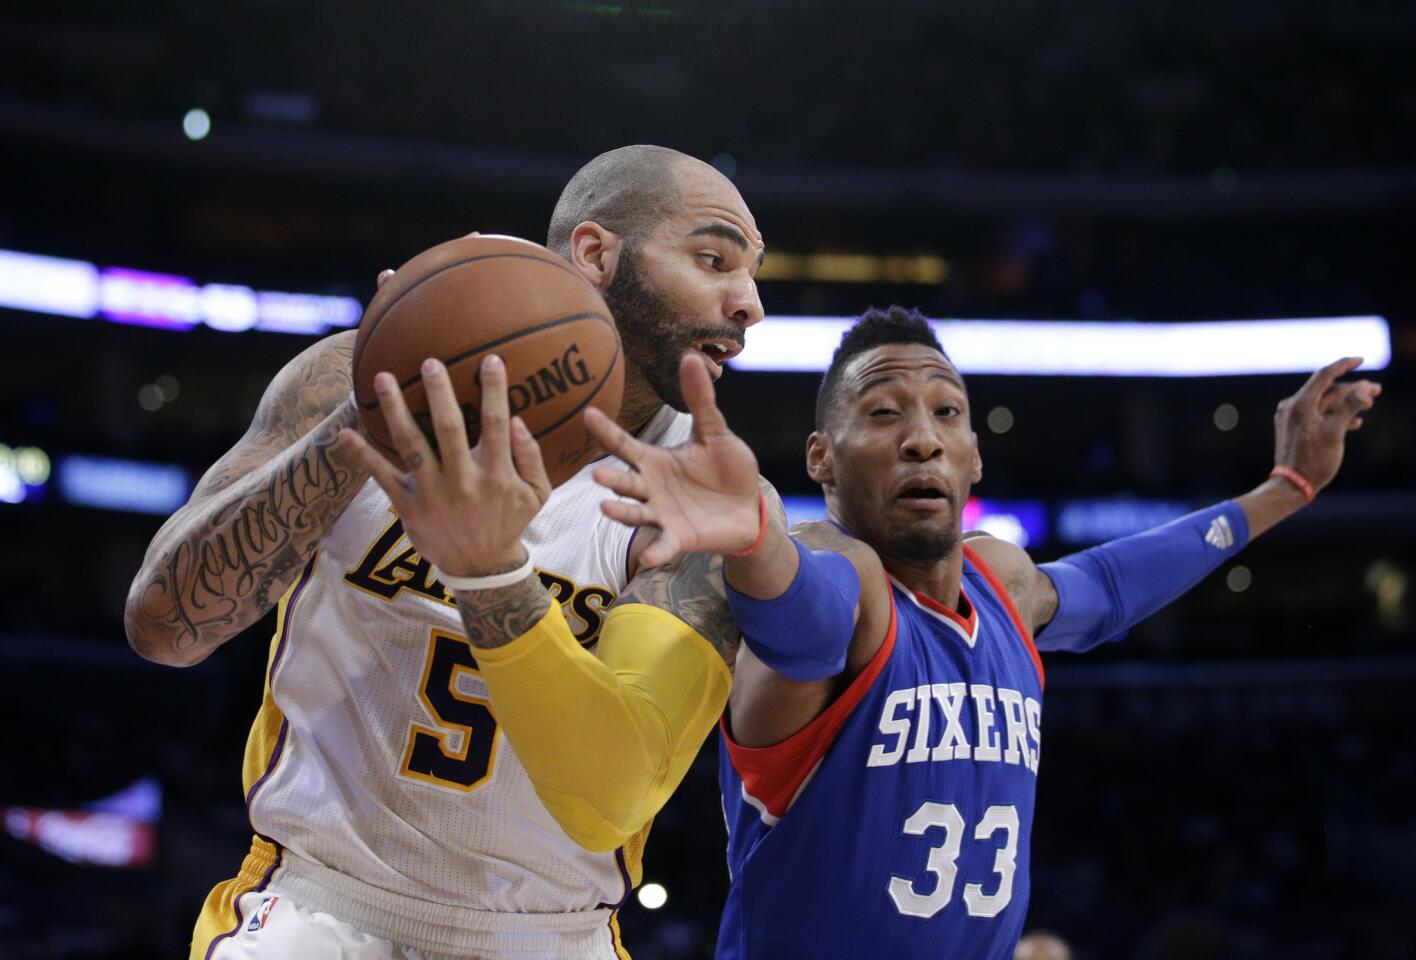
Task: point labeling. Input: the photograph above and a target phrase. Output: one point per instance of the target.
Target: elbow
(591, 825)
(155, 644)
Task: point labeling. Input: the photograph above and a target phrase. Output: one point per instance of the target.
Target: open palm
(702, 495)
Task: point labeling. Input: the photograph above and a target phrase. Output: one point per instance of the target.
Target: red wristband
(1304, 485)
(761, 527)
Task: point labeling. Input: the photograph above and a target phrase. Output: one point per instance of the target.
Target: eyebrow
(946, 375)
(730, 234)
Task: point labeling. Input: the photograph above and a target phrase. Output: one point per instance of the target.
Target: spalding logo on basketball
(467, 298)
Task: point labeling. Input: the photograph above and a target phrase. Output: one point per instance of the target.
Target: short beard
(643, 314)
(922, 547)
(656, 333)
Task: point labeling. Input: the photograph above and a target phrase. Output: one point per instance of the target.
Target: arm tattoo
(691, 588)
(494, 618)
(824, 535)
(254, 520)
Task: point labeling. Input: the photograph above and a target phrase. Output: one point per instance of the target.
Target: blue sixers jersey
(898, 823)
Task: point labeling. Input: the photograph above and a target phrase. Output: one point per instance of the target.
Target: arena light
(24, 473)
(68, 288)
(117, 831)
(1095, 521)
(652, 896)
(854, 268)
(76, 288)
(1083, 348)
(127, 485)
(196, 123)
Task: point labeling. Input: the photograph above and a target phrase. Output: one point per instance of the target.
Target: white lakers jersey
(376, 752)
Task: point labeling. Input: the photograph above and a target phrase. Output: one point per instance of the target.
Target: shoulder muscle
(1031, 589)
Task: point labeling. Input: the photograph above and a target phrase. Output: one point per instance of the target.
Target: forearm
(604, 740)
(1270, 503)
(800, 619)
(220, 563)
(768, 571)
(1109, 588)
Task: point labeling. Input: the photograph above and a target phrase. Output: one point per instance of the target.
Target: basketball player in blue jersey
(883, 738)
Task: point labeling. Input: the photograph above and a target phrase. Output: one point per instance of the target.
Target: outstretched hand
(1310, 427)
(463, 508)
(701, 495)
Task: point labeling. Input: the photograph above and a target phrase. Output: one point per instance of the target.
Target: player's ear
(818, 458)
(594, 251)
(977, 471)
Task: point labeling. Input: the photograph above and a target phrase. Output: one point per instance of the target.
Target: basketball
(466, 298)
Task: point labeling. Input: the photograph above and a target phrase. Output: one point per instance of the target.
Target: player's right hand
(463, 508)
(702, 495)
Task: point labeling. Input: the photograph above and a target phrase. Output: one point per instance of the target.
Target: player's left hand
(701, 495)
(463, 508)
(1310, 427)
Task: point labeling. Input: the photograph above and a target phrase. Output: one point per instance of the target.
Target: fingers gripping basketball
(463, 300)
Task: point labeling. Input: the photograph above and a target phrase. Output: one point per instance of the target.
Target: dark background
(1234, 780)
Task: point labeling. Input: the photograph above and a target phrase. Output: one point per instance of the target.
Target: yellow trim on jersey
(634, 855)
(617, 938)
(219, 915)
(265, 729)
(606, 737)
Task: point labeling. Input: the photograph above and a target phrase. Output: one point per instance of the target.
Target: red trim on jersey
(1003, 595)
(774, 775)
(969, 623)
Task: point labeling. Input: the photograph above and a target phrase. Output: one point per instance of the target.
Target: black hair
(628, 190)
(874, 328)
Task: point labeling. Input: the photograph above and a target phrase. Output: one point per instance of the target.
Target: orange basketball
(467, 298)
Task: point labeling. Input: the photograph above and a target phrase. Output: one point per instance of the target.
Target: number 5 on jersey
(461, 751)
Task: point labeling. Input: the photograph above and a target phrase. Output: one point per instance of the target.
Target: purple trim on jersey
(628, 550)
(236, 902)
(624, 875)
(270, 679)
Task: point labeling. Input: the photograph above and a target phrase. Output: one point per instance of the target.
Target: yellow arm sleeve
(607, 738)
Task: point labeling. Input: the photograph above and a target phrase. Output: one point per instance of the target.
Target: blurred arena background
(194, 190)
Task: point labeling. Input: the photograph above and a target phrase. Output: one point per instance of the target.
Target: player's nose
(919, 441)
(741, 304)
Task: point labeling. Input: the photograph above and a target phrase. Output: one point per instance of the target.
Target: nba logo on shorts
(258, 919)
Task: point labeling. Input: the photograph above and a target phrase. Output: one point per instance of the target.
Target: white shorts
(282, 908)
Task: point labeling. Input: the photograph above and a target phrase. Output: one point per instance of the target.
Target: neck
(938, 579)
(640, 402)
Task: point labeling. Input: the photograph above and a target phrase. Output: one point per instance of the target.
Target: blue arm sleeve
(804, 633)
(1103, 591)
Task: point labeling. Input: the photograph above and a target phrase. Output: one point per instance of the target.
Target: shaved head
(628, 190)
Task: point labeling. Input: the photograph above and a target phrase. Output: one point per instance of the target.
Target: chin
(924, 543)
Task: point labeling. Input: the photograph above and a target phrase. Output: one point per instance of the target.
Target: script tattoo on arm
(256, 517)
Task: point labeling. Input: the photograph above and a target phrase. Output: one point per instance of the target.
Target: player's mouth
(718, 352)
(921, 493)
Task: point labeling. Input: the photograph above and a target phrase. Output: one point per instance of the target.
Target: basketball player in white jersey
(392, 816)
